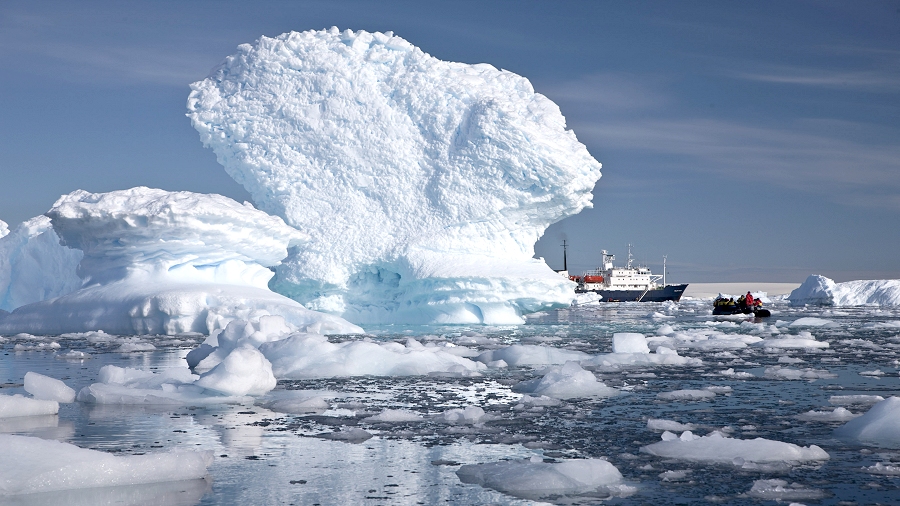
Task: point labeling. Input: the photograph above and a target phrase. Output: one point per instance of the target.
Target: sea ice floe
(836, 415)
(686, 395)
(662, 357)
(301, 356)
(781, 490)
(883, 469)
(857, 399)
(568, 381)
(787, 373)
(535, 479)
(715, 447)
(531, 354)
(803, 340)
(468, 415)
(31, 465)
(880, 426)
(397, 416)
(19, 405)
(669, 425)
(124, 385)
(423, 184)
(47, 388)
(629, 342)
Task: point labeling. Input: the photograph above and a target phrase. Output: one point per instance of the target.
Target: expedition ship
(625, 284)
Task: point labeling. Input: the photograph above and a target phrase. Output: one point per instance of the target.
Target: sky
(746, 141)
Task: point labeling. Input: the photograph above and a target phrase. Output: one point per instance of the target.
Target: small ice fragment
(47, 388)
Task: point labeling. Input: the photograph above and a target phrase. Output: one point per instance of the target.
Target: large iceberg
(158, 262)
(819, 290)
(423, 184)
(33, 265)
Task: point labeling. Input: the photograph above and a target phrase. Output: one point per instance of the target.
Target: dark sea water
(267, 457)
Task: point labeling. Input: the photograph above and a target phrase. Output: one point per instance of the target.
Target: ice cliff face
(158, 262)
(819, 290)
(423, 184)
(33, 265)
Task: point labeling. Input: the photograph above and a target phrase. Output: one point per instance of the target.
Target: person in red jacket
(749, 300)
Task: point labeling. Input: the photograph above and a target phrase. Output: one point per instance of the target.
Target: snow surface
(534, 479)
(30, 464)
(423, 184)
(717, 448)
(34, 266)
(820, 290)
(158, 262)
(175, 386)
(880, 426)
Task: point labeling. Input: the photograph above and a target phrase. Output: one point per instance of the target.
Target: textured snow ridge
(824, 291)
(33, 265)
(423, 184)
(31, 465)
(158, 262)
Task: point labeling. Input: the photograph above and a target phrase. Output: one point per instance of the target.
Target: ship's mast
(664, 270)
(565, 264)
(630, 258)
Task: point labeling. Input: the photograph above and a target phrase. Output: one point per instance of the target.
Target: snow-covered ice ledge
(158, 262)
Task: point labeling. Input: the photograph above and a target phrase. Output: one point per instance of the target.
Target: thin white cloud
(843, 170)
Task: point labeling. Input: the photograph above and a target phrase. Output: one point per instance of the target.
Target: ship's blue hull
(668, 292)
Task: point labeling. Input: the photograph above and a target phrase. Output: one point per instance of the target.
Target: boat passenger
(749, 300)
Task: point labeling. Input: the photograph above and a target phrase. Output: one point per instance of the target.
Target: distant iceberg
(423, 184)
(819, 290)
(158, 262)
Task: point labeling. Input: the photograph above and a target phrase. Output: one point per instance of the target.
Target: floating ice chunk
(849, 400)
(19, 405)
(423, 184)
(629, 342)
(780, 490)
(730, 372)
(47, 388)
(876, 372)
(662, 356)
(883, 469)
(686, 395)
(837, 415)
(531, 354)
(677, 475)
(245, 371)
(787, 373)
(302, 356)
(717, 448)
(31, 465)
(811, 321)
(348, 435)
(880, 426)
(467, 415)
(803, 340)
(74, 355)
(303, 405)
(134, 347)
(395, 416)
(123, 385)
(534, 479)
(34, 266)
(824, 291)
(568, 381)
(669, 425)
